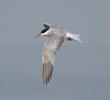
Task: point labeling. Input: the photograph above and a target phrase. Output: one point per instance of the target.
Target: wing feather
(48, 56)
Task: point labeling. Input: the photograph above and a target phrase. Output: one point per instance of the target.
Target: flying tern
(57, 37)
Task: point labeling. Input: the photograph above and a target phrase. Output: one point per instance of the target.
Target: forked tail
(75, 36)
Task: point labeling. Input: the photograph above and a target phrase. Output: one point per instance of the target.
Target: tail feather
(75, 36)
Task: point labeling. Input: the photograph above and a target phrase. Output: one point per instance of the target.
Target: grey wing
(48, 56)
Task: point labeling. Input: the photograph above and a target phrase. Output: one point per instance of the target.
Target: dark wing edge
(48, 56)
(47, 67)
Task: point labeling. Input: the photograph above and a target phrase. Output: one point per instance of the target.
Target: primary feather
(49, 53)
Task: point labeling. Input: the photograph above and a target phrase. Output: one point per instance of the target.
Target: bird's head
(45, 31)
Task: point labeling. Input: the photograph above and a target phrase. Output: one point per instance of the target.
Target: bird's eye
(44, 30)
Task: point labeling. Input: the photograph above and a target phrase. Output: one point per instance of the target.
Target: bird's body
(57, 37)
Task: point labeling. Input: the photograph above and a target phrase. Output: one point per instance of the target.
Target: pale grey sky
(81, 71)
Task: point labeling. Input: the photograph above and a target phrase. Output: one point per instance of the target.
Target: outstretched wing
(48, 56)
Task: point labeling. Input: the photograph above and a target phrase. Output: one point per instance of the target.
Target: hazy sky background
(81, 71)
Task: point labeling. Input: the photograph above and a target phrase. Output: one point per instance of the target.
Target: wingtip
(47, 72)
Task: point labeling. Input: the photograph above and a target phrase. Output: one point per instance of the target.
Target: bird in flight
(57, 37)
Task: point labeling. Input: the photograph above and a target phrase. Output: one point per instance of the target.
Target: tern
(57, 37)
